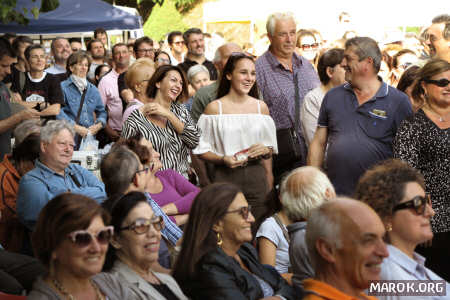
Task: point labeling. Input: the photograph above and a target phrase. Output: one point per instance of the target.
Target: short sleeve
(323, 113)
(270, 230)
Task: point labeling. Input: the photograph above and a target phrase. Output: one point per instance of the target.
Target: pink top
(135, 104)
(109, 91)
(177, 190)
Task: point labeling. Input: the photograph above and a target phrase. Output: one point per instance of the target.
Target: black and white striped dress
(173, 147)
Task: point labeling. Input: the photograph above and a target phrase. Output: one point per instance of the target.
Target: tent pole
(40, 39)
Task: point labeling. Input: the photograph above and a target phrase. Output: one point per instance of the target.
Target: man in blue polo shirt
(359, 119)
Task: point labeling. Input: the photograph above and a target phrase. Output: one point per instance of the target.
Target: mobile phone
(241, 155)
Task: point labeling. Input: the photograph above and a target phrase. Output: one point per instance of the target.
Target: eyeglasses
(243, 211)
(179, 43)
(310, 46)
(418, 203)
(141, 226)
(83, 238)
(163, 60)
(145, 50)
(440, 83)
(146, 169)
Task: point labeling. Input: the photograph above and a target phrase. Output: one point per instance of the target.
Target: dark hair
(6, 48)
(366, 47)
(209, 207)
(9, 35)
(133, 144)
(382, 187)
(225, 84)
(23, 39)
(118, 45)
(444, 18)
(74, 39)
(407, 78)
(172, 35)
(28, 149)
(188, 33)
(398, 54)
(30, 48)
(431, 68)
(89, 45)
(98, 69)
(330, 58)
(140, 41)
(159, 52)
(118, 169)
(61, 216)
(119, 207)
(159, 75)
(99, 31)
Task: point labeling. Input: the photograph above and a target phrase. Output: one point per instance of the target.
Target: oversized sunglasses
(83, 238)
(440, 83)
(243, 211)
(141, 226)
(418, 203)
(310, 46)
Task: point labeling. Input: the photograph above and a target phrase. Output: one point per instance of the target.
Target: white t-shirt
(272, 231)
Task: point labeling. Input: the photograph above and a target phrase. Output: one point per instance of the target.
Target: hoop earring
(219, 240)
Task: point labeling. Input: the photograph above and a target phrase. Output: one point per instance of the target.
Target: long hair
(433, 67)
(209, 207)
(225, 84)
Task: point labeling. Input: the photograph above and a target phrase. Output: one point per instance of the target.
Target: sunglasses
(243, 211)
(310, 46)
(440, 83)
(179, 43)
(83, 238)
(418, 203)
(141, 226)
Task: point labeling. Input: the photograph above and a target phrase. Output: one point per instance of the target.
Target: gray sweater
(109, 284)
(298, 254)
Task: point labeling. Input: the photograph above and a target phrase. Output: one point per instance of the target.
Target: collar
(46, 171)
(38, 79)
(297, 61)
(327, 291)
(412, 265)
(133, 277)
(381, 93)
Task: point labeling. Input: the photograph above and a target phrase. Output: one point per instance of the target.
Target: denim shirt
(92, 103)
(42, 184)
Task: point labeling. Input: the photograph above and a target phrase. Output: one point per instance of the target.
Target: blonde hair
(134, 73)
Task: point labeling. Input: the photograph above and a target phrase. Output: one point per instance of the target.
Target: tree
(164, 18)
(8, 13)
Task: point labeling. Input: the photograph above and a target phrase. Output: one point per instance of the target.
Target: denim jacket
(92, 103)
(42, 184)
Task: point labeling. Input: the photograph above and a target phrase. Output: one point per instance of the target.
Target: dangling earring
(219, 240)
(389, 227)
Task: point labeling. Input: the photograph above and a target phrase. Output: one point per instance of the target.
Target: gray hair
(26, 128)
(273, 18)
(323, 223)
(54, 127)
(118, 169)
(194, 70)
(303, 190)
(366, 47)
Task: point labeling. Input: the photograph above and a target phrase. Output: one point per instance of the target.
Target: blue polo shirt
(359, 135)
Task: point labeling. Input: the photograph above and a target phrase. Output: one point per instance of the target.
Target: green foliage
(8, 13)
(164, 19)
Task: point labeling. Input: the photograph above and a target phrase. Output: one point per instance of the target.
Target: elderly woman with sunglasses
(135, 248)
(71, 240)
(396, 192)
(423, 141)
(216, 260)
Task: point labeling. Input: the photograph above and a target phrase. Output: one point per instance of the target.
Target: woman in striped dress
(165, 121)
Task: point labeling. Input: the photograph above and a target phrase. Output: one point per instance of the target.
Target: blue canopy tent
(73, 16)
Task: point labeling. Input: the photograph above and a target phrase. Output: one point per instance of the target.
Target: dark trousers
(252, 180)
(437, 256)
(18, 272)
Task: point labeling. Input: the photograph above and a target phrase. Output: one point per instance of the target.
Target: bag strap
(3, 192)
(283, 229)
(81, 106)
(297, 104)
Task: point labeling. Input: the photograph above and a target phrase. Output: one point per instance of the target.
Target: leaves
(49, 5)
(10, 13)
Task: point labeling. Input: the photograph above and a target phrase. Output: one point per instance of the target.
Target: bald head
(223, 53)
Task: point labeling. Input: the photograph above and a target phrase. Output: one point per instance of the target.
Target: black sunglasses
(440, 83)
(243, 211)
(83, 238)
(418, 203)
(141, 226)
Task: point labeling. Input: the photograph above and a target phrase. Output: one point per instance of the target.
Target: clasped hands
(241, 158)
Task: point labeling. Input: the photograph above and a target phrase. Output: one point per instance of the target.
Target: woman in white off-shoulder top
(238, 135)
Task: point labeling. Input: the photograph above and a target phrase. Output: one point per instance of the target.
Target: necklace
(441, 118)
(66, 294)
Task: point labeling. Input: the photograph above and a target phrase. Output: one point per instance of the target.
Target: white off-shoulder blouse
(227, 134)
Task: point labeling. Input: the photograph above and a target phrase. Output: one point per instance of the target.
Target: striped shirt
(173, 147)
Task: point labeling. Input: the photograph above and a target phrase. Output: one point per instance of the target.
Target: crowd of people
(305, 172)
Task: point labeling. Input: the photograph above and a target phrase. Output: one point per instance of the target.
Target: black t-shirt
(208, 64)
(48, 89)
